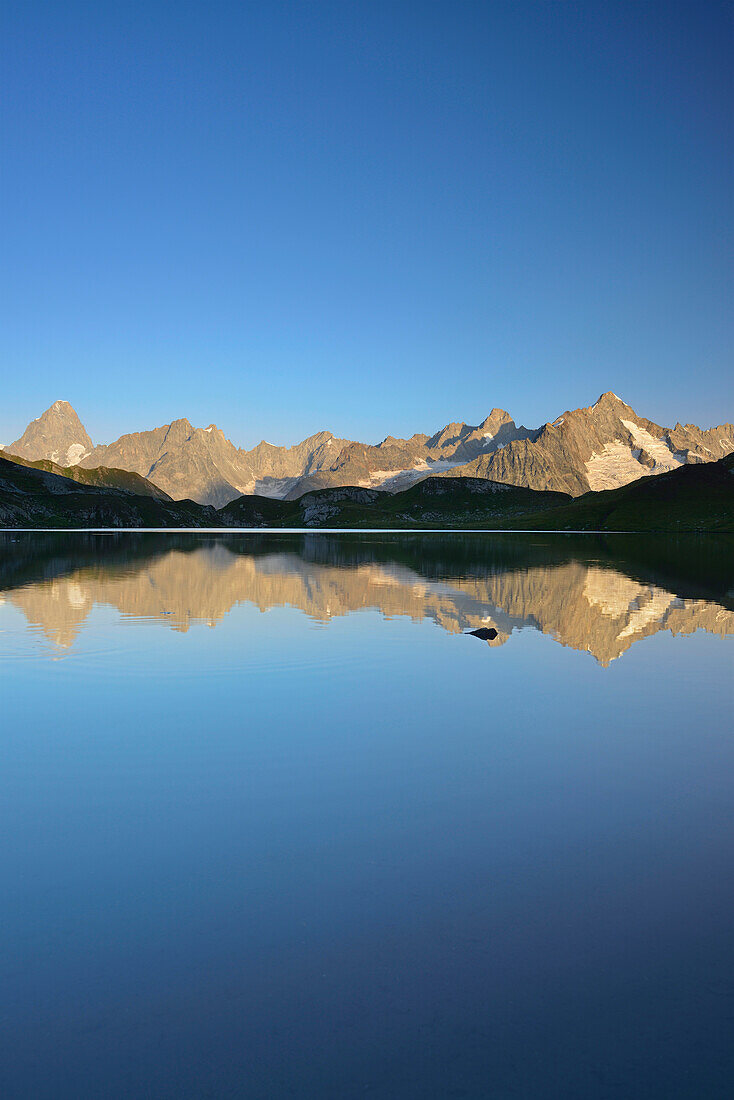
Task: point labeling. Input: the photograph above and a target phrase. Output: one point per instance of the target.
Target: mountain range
(694, 497)
(602, 446)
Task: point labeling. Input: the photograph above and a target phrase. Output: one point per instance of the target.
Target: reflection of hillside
(586, 606)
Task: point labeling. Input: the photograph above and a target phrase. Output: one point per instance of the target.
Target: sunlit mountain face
(598, 596)
(600, 446)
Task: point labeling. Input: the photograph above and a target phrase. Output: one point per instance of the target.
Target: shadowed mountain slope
(100, 476)
(470, 502)
(691, 498)
(31, 497)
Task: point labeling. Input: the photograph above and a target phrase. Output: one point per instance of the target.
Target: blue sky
(368, 217)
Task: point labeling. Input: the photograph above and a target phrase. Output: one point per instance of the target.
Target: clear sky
(369, 217)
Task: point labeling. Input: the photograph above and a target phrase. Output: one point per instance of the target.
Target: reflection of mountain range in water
(586, 605)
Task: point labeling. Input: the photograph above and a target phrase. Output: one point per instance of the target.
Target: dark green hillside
(435, 502)
(254, 511)
(103, 477)
(443, 502)
(31, 497)
(698, 497)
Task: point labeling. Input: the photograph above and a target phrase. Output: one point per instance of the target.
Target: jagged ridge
(602, 446)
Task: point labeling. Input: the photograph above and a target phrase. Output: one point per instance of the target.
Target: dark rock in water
(486, 633)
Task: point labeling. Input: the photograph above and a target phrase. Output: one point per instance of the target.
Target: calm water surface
(274, 825)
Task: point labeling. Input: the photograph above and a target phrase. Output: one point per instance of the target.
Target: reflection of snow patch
(75, 595)
(651, 612)
(610, 591)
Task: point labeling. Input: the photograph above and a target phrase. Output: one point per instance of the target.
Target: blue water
(267, 835)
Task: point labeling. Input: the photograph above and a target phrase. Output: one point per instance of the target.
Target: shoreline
(342, 531)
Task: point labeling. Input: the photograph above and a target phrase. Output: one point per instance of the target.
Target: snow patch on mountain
(616, 464)
(75, 453)
(393, 481)
(658, 449)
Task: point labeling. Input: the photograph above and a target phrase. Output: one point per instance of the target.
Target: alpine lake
(276, 824)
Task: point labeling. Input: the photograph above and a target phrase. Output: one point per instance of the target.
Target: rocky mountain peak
(600, 446)
(58, 434)
(609, 401)
(60, 410)
(497, 416)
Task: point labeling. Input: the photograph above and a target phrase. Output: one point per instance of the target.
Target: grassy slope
(435, 502)
(103, 477)
(254, 511)
(699, 497)
(33, 497)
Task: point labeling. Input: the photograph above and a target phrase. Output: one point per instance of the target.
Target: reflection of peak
(59, 608)
(586, 606)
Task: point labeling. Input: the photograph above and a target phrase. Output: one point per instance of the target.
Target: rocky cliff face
(201, 464)
(198, 464)
(58, 435)
(603, 446)
(396, 464)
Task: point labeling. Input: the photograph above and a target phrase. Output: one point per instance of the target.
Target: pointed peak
(319, 439)
(495, 416)
(62, 407)
(454, 427)
(58, 434)
(609, 398)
